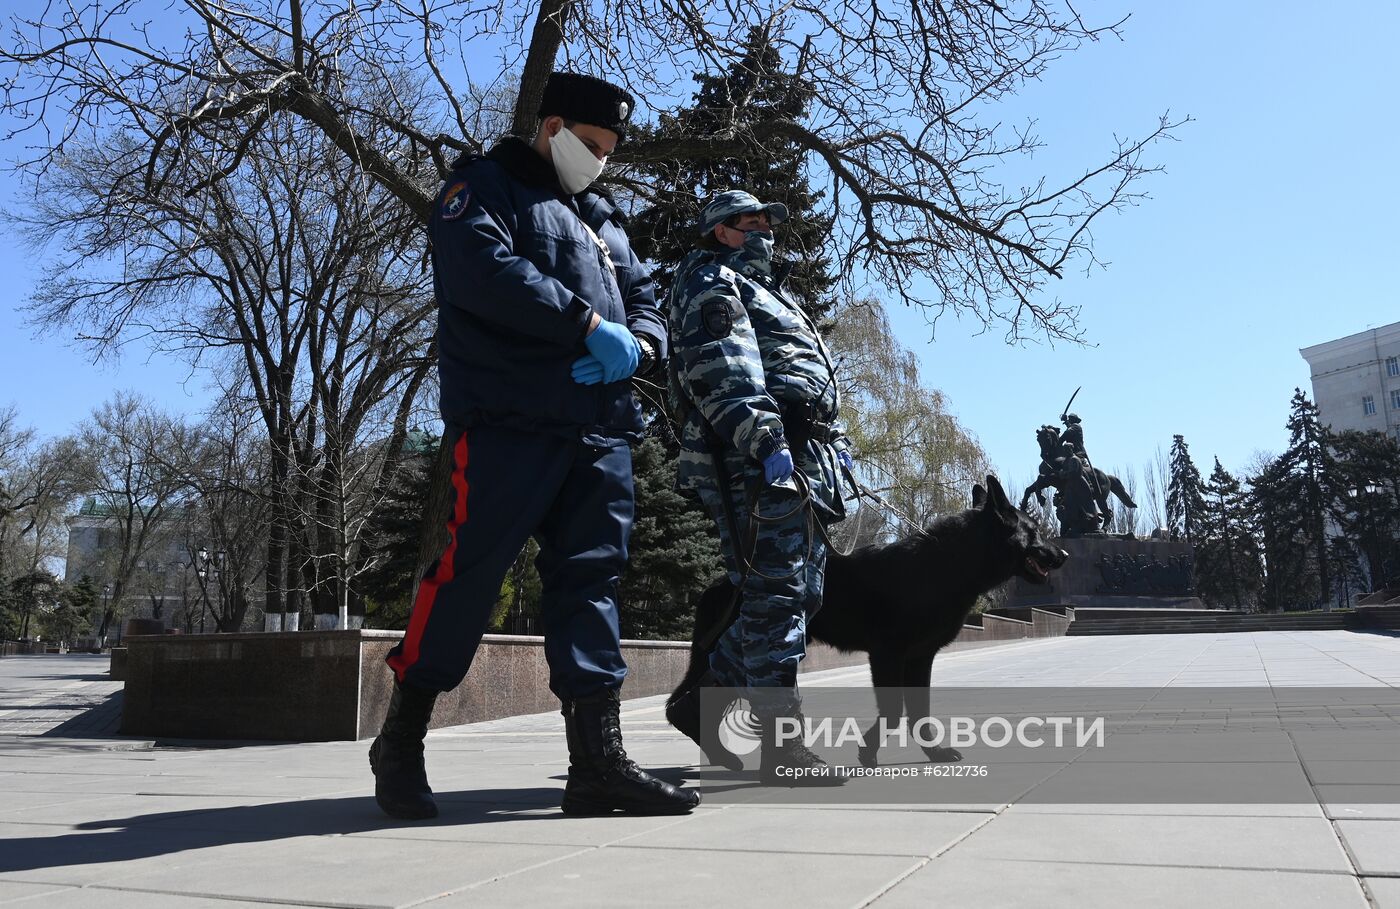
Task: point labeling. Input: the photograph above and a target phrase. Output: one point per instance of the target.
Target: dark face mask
(759, 243)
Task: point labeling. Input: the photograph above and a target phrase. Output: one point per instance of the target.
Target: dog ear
(996, 496)
(979, 495)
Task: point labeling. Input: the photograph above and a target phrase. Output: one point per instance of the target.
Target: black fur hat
(585, 99)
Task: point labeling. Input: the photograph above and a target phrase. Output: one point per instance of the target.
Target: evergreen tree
(74, 613)
(757, 89)
(28, 597)
(1291, 578)
(393, 531)
(675, 553)
(1366, 492)
(1184, 493)
(518, 605)
(1307, 466)
(1227, 558)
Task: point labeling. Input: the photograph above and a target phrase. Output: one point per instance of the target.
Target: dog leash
(744, 546)
(863, 491)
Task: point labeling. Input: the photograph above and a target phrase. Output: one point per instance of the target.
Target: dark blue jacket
(517, 279)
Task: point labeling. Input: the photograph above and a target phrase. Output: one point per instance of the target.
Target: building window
(1395, 399)
(1368, 405)
(1392, 366)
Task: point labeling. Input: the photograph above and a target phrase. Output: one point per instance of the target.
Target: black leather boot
(602, 779)
(684, 714)
(396, 757)
(792, 763)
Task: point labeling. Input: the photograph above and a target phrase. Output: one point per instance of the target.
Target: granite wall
(333, 685)
(310, 686)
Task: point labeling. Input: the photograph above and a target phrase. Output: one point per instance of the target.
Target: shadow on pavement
(100, 719)
(172, 832)
(95, 677)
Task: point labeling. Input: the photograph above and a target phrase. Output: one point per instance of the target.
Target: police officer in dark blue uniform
(544, 315)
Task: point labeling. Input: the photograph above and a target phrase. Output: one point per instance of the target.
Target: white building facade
(1356, 380)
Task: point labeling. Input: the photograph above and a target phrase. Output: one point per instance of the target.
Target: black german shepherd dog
(904, 601)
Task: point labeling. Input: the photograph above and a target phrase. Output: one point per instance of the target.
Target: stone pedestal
(1116, 573)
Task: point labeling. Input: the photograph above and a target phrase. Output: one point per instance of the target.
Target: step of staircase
(1203, 624)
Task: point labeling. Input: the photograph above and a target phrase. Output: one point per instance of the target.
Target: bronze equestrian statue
(1082, 490)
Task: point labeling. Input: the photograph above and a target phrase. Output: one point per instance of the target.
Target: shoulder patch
(717, 318)
(454, 201)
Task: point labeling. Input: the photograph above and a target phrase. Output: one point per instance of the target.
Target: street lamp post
(1364, 496)
(208, 568)
(1374, 558)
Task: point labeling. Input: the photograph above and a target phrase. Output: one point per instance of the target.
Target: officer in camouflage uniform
(758, 392)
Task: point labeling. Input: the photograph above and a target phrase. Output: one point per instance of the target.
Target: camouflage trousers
(783, 589)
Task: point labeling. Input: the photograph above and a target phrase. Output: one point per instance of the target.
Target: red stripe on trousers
(428, 589)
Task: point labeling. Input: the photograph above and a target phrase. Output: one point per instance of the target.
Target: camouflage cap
(735, 202)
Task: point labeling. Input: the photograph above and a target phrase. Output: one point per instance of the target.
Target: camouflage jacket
(742, 355)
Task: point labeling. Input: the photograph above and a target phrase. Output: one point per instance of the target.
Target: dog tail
(714, 613)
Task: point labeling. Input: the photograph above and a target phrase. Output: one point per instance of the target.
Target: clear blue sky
(1271, 230)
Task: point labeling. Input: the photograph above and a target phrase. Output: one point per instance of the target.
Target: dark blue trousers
(576, 500)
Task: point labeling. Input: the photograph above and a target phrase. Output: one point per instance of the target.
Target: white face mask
(576, 165)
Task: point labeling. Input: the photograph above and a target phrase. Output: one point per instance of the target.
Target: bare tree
(1156, 475)
(125, 469)
(226, 468)
(36, 487)
(925, 184)
(294, 273)
(1127, 520)
(902, 128)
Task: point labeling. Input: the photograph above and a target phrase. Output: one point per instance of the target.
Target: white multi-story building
(1356, 380)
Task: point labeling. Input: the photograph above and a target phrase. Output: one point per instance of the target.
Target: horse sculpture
(1082, 503)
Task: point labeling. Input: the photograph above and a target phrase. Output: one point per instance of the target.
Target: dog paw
(941, 755)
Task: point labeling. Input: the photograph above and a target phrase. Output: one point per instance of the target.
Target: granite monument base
(1110, 572)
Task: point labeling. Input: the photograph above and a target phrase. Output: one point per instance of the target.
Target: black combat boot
(396, 757)
(792, 763)
(684, 714)
(602, 779)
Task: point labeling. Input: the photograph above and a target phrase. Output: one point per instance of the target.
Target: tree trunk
(274, 578)
(544, 47)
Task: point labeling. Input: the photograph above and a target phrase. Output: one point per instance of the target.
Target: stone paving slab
(111, 898)
(1385, 892)
(111, 821)
(1374, 844)
(70, 691)
(10, 892)
(347, 871)
(1258, 843)
(1343, 802)
(818, 830)
(680, 878)
(1018, 884)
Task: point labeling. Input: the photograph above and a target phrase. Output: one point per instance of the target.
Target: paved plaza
(88, 818)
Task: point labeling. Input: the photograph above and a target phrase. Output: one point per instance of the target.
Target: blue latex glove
(777, 467)
(588, 370)
(846, 460)
(615, 348)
